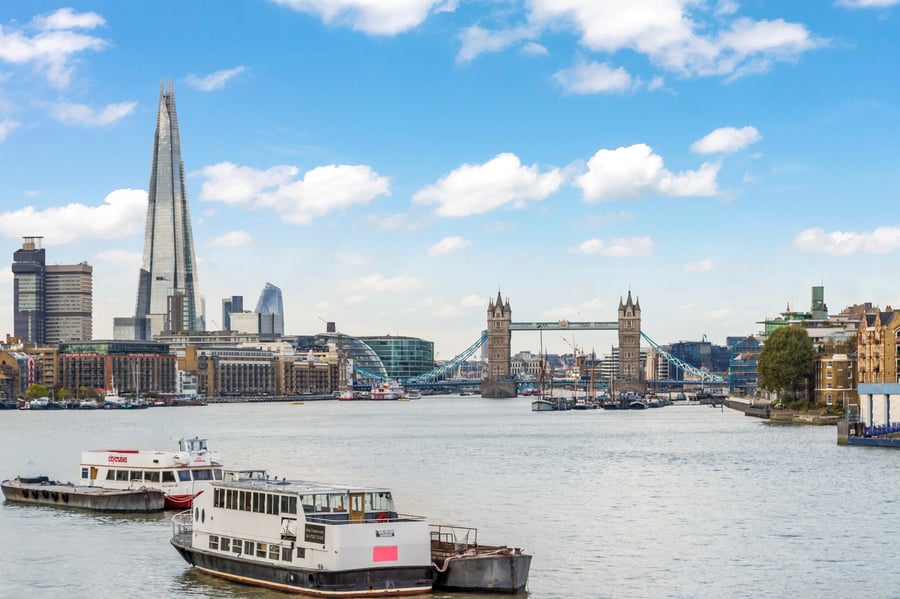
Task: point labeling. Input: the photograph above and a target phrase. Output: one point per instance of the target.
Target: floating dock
(40, 490)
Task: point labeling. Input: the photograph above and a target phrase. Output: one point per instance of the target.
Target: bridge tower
(630, 377)
(496, 382)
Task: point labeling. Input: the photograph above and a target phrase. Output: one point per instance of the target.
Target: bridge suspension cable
(701, 373)
(440, 371)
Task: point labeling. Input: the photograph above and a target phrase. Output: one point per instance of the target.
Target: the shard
(168, 298)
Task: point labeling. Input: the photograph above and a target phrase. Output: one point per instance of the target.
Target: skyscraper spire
(168, 297)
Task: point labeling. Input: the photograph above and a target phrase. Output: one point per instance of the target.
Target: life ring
(382, 517)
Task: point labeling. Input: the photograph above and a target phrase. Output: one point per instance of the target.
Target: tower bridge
(498, 381)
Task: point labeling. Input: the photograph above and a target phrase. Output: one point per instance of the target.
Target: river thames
(681, 501)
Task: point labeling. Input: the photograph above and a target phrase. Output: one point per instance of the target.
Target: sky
(392, 165)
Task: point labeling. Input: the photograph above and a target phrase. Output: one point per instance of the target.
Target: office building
(168, 296)
(230, 305)
(402, 357)
(271, 310)
(51, 303)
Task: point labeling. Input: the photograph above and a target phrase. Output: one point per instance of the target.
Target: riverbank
(763, 410)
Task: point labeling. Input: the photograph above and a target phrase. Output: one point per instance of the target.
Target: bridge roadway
(564, 325)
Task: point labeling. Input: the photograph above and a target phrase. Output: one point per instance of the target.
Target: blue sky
(392, 164)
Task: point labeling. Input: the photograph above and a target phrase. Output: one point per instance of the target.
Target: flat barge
(462, 564)
(40, 490)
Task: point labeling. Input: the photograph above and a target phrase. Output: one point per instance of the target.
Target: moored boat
(462, 564)
(181, 475)
(304, 537)
(41, 490)
(387, 390)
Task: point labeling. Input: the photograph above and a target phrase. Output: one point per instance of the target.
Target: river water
(681, 501)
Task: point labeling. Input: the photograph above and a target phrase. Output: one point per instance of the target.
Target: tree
(35, 391)
(786, 360)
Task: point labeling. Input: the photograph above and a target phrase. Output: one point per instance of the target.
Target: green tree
(785, 362)
(35, 391)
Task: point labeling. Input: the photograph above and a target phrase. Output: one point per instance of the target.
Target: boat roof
(301, 487)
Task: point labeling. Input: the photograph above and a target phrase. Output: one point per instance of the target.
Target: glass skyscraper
(168, 296)
(271, 310)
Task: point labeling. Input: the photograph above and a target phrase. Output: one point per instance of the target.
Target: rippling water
(683, 501)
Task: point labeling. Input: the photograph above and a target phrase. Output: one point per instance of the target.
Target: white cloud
(232, 239)
(867, 3)
(215, 80)
(630, 172)
(121, 215)
(473, 301)
(616, 248)
(53, 48)
(720, 314)
(7, 126)
(593, 78)
(673, 34)
(477, 40)
(705, 265)
(534, 49)
(882, 240)
(726, 140)
(479, 188)
(379, 283)
(378, 17)
(320, 191)
(81, 114)
(66, 18)
(448, 245)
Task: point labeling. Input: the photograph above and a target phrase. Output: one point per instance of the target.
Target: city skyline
(390, 167)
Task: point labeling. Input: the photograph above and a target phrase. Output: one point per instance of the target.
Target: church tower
(629, 377)
(497, 382)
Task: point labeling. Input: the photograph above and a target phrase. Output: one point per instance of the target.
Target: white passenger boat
(304, 537)
(387, 390)
(181, 475)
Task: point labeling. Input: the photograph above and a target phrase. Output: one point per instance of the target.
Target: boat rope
(471, 553)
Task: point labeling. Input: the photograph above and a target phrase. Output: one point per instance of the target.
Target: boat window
(202, 475)
(110, 475)
(272, 504)
(184, 475)
(288, 504)
(236, 546)
(274, 552)
(121, 475)
(217, 497)
(321, 503)
(379, 502)
(168, 476)
(152, 476)
(84, 472)
(213, 542)
(248, 547)
(256, 507)
(339, 502)
(308, 503)
(247, 500)
(137, 475)
(225, 544)
(301, 552)
(286, 554)
(217, 473)
(261, 550)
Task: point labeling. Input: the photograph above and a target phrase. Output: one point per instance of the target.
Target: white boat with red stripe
(182, 475)
(310, 538)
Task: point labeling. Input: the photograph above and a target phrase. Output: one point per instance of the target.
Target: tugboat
(304, 537)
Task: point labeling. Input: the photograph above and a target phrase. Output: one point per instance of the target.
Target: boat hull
(503, 571)
(378, 582)
(46, 492)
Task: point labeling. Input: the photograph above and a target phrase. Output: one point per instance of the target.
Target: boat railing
(183, 527)
(370, 518)
(452, 538)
